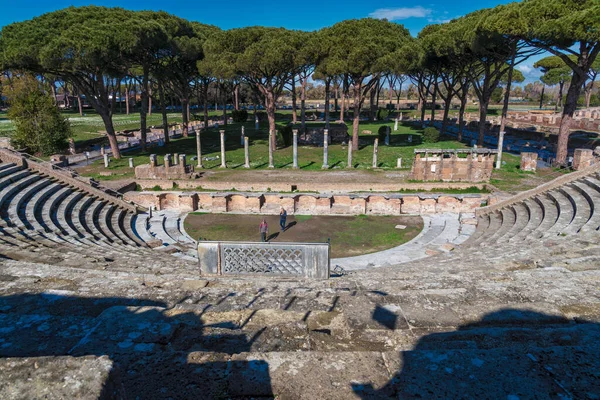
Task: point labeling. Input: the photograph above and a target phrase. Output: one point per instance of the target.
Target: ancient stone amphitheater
(93, 306)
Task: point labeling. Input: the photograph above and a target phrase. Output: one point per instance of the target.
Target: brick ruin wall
(450, 167)
(308, 204)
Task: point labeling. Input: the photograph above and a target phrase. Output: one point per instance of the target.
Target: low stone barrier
(308, 204)
(310, 260)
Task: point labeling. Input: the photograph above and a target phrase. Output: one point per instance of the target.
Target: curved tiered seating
(567, 210)
(41, 210)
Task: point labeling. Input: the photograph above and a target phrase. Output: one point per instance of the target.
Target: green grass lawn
(350, 235)
(310, 158)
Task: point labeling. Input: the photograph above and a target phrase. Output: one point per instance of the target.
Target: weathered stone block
(529, 161)
(583, 158)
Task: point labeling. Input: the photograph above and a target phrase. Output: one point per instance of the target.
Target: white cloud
(395, 14)
(525, 69)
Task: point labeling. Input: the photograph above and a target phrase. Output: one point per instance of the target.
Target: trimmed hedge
(239, 115)
(431, 135)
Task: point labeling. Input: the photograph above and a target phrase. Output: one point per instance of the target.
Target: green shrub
(382, 114)
(239, 115)
(382, 132)
(431, 135)
(284, 136)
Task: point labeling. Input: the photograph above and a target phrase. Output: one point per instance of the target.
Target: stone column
(72, 149)
(243, 135)
(246, 153)
(500, 145)
(399, 163)
(175, 158)
(295, 148)
(106, 161)
(271, 165)
(223, 161)
(396, 124)
(167, 159)
(199, 149)
(349, 154)
(583, 158)
(325, 149)
(256, 124)
(375, 151)
(153, 160)
(102, 149)
(131, 163)
(182, 162)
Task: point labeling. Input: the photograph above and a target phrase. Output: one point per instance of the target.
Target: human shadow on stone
(290, 225)
(273, 236)
(156, 351)
(511, 353)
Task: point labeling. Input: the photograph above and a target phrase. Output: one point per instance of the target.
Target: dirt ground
(350, 236)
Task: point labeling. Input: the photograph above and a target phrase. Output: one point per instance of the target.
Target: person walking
(282, 218)
(263, 228)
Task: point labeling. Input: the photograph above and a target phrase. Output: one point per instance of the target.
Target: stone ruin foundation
(471, 165)
(174, 167)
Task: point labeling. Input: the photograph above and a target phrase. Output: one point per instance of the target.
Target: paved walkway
(441, 232)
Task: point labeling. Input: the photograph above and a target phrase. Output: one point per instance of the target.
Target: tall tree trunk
(567, 118)
(205, 103)
(150, 100)
(559, 102)
(144, 108)
(236, 97)
(507, 91)
(294, 105)
(372, 106)
(447, 103)
(391, 89)
(110, 133)
(461, 112)
(483, 110)
(542, 96)
(79, 105)
(343, 106)
(357, 88)
(126, 97)
(163, 110)
(185, 116)
(270, 106)
(327, 87)
(336, 94)
(433, 101)
(303, 105)
(224, 98)
(588, 93)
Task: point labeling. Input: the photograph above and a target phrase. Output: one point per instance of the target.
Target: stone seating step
(536, 216)
(494, 226)
(551, 212)
(582, 207)
(35, 205)
(483, 223)
(565, 215)
(508, 222)
(12, 171)
(157, 229)
(521, 220)
(140, 227)
(593, 197)
(116, 226)
(15, 187)
(126, 222)
(12, 211)
(4, 166)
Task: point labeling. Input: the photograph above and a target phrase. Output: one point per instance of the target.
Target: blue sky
(291, 15)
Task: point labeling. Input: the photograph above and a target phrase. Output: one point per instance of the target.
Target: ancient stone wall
(529, 162)
(308, 204)
(453, 165)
